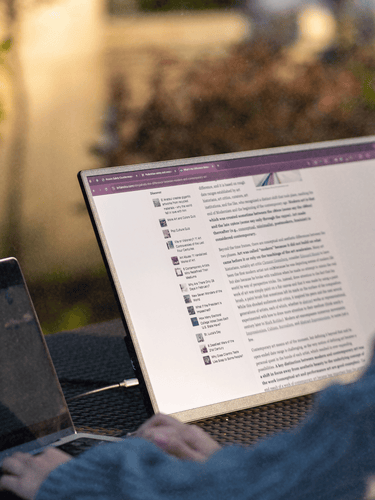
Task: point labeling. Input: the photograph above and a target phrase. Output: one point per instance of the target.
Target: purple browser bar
(217, 169)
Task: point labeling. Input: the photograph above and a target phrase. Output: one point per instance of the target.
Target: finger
(181, 440)
(8, 482)
(199, 440)
(161, 420)
(53, 456)
(25, 473)
(146, 425)
(174, 444)
(16, 463)
(15, 484)
(202, 446)
(149, 431)
(158, 420)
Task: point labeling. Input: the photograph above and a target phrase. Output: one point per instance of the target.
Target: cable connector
(131, 382)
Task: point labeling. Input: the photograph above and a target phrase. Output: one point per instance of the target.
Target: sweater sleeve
(328, 457)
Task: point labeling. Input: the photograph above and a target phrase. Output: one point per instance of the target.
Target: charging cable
(131, 382)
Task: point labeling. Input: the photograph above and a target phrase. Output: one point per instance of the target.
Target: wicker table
(95, 356)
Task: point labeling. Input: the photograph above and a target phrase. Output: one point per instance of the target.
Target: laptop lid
(33, 411)
(245, 278)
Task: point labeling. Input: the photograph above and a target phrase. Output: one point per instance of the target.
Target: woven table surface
(95, 356)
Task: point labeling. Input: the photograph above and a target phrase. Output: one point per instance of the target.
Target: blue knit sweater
(328, 457)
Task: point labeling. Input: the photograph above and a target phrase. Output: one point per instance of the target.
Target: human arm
(330, 456)
(25, 473)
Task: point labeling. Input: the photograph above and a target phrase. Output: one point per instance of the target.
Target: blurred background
(96, 83)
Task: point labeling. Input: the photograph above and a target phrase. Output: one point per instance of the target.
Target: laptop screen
(243, 279)
(31, 402)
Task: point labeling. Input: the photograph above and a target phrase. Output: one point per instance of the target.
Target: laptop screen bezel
(35, 434)
(202, 412)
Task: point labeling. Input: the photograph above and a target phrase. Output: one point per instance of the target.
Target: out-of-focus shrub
(254, 98)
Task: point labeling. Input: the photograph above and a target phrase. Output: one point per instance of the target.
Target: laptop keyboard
(80, 445)
(74, 448)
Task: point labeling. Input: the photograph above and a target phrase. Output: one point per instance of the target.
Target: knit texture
(328, 457)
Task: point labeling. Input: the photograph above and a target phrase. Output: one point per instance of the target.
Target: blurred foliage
(4, 47)
(252, 99)
(2, 112)
(66, 302)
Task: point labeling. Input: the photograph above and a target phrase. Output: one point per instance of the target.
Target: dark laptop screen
(31, 402)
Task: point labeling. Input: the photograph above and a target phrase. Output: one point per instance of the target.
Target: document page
(241, 284)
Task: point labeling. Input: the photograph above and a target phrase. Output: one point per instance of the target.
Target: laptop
(242, 279)
(33, 411)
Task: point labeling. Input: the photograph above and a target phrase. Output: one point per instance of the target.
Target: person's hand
(184, 441)
(24, 473)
